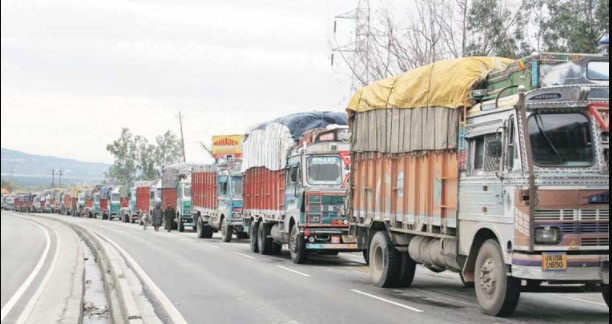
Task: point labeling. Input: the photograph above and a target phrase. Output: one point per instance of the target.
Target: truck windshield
(115, 197)
(561, 140)
(187, 191)
(237, 187)
(324, 170)
(599, 71)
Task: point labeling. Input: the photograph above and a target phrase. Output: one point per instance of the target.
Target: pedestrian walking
(169, 215)
(156, 217)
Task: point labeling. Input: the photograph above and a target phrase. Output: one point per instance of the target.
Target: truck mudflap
(561, 267)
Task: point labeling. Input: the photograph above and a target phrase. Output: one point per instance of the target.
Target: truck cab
(230, 187)
(183, 203)
(316, 185)
(115, 203)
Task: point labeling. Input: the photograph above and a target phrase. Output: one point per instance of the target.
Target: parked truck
(218, 201)
(295, 176)
(143, 199)
(176, 192)
(500, 178)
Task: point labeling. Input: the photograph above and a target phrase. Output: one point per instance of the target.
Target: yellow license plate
(554, 261)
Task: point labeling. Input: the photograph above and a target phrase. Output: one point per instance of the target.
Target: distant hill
(30, 170)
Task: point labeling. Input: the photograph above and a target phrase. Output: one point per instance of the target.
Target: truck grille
(572, 215)
(595, 241)
(585, 228)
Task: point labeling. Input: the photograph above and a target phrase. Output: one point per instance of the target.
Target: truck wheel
(226, 231)
(497, 294)
(297, 246)
(253, 237)
(209, 231)
(200, 229)
(263, 242)
(605, 291)
(181, 226)
(385, 261)
(407, 271)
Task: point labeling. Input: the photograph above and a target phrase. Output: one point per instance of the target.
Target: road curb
(122, 305)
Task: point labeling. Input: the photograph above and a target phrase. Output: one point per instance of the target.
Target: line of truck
(495, 169)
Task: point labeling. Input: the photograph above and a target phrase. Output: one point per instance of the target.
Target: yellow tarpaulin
(442, 84)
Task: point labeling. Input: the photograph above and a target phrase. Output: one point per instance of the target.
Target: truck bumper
(329, 239)
(580, 268)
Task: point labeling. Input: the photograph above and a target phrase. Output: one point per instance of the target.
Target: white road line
(174, 314)
(388, 301)
(27, 311)
(244, 255)
(212, 246)
(587, 301)
(294, 271)
(24, 286)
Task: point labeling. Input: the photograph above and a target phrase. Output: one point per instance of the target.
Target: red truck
(296, 169)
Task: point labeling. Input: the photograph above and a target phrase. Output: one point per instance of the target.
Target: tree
(125, 153)
(146, 159)
(574, 25)
(8, 185)
(137, 159)
(169, 150)
(498, 29)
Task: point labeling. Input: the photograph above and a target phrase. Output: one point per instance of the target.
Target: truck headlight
(548, 235)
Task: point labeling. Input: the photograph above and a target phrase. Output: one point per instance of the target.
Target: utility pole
(60, 178)
(359, 64)
(182, 137)
(52, 178)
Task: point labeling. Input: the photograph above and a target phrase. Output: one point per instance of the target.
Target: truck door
(481, 190)
(293, 201)
(223, 199)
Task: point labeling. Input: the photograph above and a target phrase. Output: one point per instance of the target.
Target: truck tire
(210, 232)
(200, 229)
(253, 237)
(605, 292)
(366, 257)
(297, 246)
(385, 261)
(181, 226)
(407, 271)
(226, 231)
(497, 293)
(264, 243)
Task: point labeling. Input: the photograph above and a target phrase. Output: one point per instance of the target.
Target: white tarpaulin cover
(268, 144)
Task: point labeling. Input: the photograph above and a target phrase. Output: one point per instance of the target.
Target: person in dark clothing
(169, 215)
(156, 217)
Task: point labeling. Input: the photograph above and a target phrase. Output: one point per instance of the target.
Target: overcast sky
(74, 72)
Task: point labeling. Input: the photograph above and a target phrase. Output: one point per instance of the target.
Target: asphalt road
(210, 281)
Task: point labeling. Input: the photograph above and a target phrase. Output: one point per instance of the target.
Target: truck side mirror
(494, 149)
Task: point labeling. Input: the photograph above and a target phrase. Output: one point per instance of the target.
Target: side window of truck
(479, 152)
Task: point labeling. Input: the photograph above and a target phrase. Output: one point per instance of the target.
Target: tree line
(135, 158)
(442, 29)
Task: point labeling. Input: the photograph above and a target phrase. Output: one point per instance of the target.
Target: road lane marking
(212, 246)
(294, 271)
(587, 301)
(171, 310)
(24, 286)
(27, 311)
(388, 301)
(244, 255)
